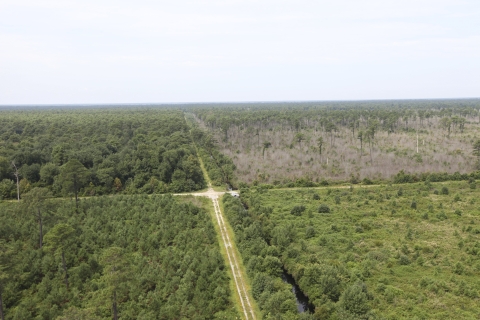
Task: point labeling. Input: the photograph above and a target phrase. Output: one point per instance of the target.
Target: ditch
(303, 304)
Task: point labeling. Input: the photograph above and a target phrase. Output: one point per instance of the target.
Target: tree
(17, 176)
(116, 273)
(360, 137)
(35, 202)
(4, 168)
(266, 145)
(73, 176)
(446, 123)
(320, 144)
(57, 240)
(5, 259)
(476, 151)
(299, 137)
(354, 300)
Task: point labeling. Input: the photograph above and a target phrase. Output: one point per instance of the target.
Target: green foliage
(152, 255)
(444, 190)
(297, 210)
(354, 302)
(145, 149)
(323, 208)
(331, 256)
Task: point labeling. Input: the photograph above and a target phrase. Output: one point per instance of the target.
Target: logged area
(138, 257)
(381, 252)
(301, 143)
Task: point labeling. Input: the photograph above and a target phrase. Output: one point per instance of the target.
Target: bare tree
(17, 176)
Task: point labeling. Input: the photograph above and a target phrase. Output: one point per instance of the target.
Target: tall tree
(5, 259)
(476, 151)
(360, 137)
(266, 145)
(35, 202)
(116, 273)
(320, 144)
(58, 240)
(73, 176)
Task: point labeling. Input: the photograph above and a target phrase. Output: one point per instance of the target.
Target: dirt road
(233, 261)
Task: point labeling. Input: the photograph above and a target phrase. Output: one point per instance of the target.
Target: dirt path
(233, 261)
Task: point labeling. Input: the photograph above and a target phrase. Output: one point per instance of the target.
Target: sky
(115, 51)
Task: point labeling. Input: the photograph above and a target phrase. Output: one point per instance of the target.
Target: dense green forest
(284, 143)
(373, 252)
(97, 151)
(137, 256)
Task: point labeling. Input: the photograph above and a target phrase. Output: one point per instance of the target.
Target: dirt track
(242, 292)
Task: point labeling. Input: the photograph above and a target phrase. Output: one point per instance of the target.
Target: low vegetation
(373, 252)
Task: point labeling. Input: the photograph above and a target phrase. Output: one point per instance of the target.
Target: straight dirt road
(232, 260)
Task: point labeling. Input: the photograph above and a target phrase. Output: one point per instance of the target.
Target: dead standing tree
(17, 177)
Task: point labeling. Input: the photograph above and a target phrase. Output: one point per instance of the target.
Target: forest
(313, 142)
(135, 256)
(370, 207)
(86, 152)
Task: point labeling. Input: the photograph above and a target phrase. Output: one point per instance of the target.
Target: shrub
(367, 181)
(458, 212)
(456, 198)
(337, 200)
(404, 260)
(316, 196)
(354, 301)
(444, 190)
(323, 208)
(400, 192)
(310, 232)
(441, 216)
(435, 191)
(413, 205)
(297, 210)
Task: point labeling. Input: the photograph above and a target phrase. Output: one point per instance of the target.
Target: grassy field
(413, 249)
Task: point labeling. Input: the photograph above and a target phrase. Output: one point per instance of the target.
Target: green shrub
(444, 191)
(456, 198)
(297, 210)
(404, 260)
(316, 196)
(310, 232)
(413, 205)
(400, 192)
(323, 208)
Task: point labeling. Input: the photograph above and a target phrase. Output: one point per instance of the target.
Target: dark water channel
(303, 305)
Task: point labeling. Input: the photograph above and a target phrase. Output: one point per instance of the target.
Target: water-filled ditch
(303, 304)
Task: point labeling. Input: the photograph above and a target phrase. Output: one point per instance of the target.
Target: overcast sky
(114, 51)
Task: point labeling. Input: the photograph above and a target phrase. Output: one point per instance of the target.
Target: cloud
(197, 45)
